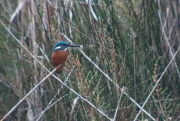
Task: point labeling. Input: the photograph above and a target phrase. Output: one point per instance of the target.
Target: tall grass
(128, 40)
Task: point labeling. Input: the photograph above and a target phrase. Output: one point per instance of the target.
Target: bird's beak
(73, 45)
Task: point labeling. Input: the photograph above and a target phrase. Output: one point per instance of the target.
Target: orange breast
(59, 57)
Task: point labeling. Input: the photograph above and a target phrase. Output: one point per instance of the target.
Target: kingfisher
(60, 54)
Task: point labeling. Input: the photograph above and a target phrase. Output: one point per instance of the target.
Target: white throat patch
(65, 49)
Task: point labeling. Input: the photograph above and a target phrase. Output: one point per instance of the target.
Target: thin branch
(73, 106)
(171, 53)
(48, 106)
(156, 84)
(27, 95)
(19, 7)
(82, 98)
(118, 105)
(6, 84)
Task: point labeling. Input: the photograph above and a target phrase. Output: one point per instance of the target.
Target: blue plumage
(60, 46)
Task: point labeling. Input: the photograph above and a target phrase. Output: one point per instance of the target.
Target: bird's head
(63, 46)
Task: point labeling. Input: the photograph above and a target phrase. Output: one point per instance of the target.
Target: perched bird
(60, 55)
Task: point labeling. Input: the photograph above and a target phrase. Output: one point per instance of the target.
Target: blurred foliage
(123, 37)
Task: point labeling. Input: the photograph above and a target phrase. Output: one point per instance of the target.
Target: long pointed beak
(73, 45)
